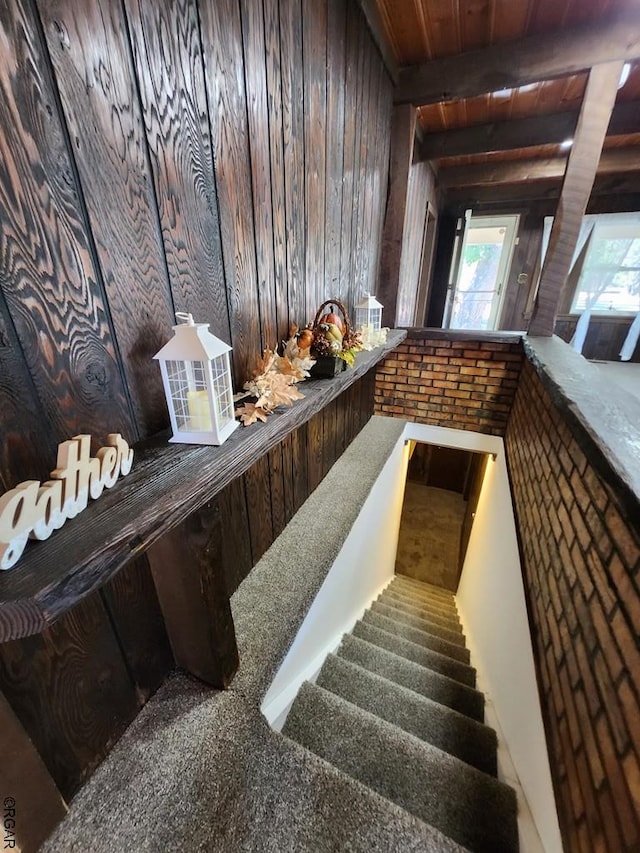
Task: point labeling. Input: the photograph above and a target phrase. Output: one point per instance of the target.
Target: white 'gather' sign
(34, 510)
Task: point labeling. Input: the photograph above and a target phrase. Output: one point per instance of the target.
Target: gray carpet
(407, 618)
(418, 654)
(420, 679)
(471, 807)
(200, 770)
(382, 711)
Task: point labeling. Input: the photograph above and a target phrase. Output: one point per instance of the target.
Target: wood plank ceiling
(420, 31)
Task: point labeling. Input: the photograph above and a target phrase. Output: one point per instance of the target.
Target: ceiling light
(624, 74)
(566, 144)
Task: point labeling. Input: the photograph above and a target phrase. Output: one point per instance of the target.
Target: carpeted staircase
(396, 709)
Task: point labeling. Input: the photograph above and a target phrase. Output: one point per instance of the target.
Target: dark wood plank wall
(420, 192)
(227, 158)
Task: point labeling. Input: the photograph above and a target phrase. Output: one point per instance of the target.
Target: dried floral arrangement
(333, 335)
(274, 379)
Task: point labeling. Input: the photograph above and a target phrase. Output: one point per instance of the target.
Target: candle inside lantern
(199, 411)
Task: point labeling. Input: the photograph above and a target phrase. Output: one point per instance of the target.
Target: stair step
(420, 679)
(471, 807)
(470, 741)
(447, 618)
(423, 600)
(418, 654)
(456, 637)
(437, 617)
(427, 588)
(421, 638)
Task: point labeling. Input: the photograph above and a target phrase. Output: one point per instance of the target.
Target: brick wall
(580, 555)
(448, 379)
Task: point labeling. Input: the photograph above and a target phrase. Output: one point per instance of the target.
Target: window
(606, 264)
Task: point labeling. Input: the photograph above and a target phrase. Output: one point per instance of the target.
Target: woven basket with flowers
(334, 342)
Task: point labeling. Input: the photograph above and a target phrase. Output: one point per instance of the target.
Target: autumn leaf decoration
(273, 381)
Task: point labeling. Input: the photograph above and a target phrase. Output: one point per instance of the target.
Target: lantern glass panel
(222, 389)
(361, 317)
(189, 395)
(375, 318)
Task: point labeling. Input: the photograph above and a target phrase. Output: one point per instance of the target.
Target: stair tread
(426, 589)
(418, 636)
(457, 670)
(416, 677)
(465, 804)
(422, 600)
(429, 588)
(447, 620)
(455, 733)
(456, 637)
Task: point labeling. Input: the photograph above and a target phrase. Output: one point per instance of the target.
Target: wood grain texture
(352, 60)
(253, 35)
(581, 169)
(132, 604)
(276, 480)
(516, 63)
(167, 483)
(276, 154)
(299, 466)
(27, 451)
(167, 53)
(366, 244)
(222, 47)
(27, 782)
(47, 276)
(335, 132)
(287, 477)
(293, 134)
(418, 197)
(258, 488)
(359, 165)
(314, 51)
(186, 565)
(71, 690)
(101, 108)
(315, 434)
(236, 538)
(402, 136)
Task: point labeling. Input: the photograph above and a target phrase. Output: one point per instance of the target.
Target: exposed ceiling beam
(614, 185)
(584, 158)
(517, 63)
(519, 171)
(520, 133)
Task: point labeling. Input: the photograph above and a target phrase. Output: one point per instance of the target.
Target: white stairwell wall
(364, 566)
(492, 609)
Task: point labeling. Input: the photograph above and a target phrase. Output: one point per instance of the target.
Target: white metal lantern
(197, 384)
(369, 314)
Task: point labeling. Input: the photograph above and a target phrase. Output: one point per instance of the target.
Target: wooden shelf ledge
(167, 484)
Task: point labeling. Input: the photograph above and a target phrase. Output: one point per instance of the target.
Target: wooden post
(187, 570)
(580, 173)
(403, 129)
(31, 803)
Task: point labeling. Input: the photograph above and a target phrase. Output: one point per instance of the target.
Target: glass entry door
(475, 297)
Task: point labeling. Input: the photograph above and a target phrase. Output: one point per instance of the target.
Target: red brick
(626, 544)
(625, 590)
(610, 702)
(620, 778)
(593, 817)
(609, 823)
(587, 727)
